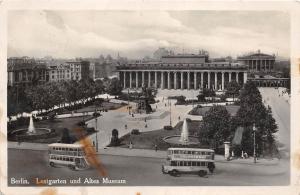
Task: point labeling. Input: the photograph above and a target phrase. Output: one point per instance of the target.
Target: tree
(252, 111)
(208, 92)
(216, 125)
(233, 89)
(114, 87)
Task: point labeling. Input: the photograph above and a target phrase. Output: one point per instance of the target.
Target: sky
(135, 34)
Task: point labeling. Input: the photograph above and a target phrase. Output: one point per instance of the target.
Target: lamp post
(169, 102)
(96, 119)
(254, 151)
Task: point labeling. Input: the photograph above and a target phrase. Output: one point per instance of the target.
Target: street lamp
(96, 134)
(169, 103)
(254, 151)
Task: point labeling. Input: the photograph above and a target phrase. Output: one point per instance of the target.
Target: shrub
(135, 132)
(168, 127)
(81, 123)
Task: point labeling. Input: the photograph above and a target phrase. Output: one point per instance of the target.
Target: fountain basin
(25, 135)
(175, 140)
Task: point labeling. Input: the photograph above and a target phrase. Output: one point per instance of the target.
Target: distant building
(85, 70)
(26, 71)
(61, 72)
(161, 52)
(258, 62)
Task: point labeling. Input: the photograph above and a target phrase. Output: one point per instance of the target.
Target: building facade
(182, 72)
(61, 72)
(26, 71)
(258, 62)
(75, 69)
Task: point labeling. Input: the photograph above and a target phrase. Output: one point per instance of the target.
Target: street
(143, 171)
(280, 105)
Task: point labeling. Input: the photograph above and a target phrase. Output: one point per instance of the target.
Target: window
(173, 163)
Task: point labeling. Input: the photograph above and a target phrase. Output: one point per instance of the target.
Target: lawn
(147, 140)
(232, 109)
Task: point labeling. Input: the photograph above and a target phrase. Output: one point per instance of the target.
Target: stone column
(136, 79)
(169, 83)
(237, 77)
(162, 80)
(155, 79)
(181, 80)
(265, 65)
(124, 85)
(223, 81)
(245, 77)
(229, 76)
(175, 80)
(195, 80)
(202, 79)
(188, 83)
(208, 80)
(256, 64)
(216, 80)
(143, 79)
(149, 79)
(130, 81)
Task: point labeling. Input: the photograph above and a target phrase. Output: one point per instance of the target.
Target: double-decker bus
(70, 155)
(189, 160)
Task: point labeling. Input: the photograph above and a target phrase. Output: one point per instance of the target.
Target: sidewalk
(143, 153)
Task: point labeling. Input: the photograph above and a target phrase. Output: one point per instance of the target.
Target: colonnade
(189, 79)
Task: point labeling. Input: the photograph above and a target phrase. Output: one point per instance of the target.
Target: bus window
(173, 163)
(202, 163)
(189, 152)
(194, 163)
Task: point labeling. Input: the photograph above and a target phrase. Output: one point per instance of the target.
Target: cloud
(136, 34)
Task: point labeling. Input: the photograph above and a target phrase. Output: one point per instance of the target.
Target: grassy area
(70, 123)
(232, 109)
(147, 140)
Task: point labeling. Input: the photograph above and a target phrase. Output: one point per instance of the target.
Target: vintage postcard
(100, 96)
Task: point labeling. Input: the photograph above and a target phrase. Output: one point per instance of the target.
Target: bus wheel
(72, 167)
(202, 173)
(52, 164)
(175, 173)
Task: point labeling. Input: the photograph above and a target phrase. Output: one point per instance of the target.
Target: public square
(143, 167)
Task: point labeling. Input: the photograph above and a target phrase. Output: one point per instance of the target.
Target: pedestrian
(130, 145)
(245, 155)
(125, 126)
(146, 125)
(155, 148)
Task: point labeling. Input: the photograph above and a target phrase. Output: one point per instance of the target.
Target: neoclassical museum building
(258, 62)
(182, 71)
